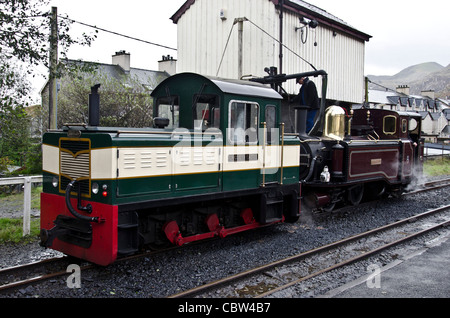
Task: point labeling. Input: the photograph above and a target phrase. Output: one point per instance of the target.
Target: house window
(389, 125)
(243, 123)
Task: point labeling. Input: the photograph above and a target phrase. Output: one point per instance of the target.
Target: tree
(25, 39)
(14, 132)
(124, 101)
(25, 31)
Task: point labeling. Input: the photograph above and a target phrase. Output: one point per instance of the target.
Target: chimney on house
(122, 59)
(168, 64)
(428, 93)
(403, 89)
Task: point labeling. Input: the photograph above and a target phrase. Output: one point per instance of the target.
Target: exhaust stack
(94, 106)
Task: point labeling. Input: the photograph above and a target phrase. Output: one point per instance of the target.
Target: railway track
(20, 276)
(430, 185)
(278, 276)
(419, 188)
(24, 275)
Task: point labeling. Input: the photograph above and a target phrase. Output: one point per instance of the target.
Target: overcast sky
(404, 32)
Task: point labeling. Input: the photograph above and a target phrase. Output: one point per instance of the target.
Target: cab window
(206, 112)
(243, 122)
(168, 107)
(271, 120)
(404, 125)
(389, 125)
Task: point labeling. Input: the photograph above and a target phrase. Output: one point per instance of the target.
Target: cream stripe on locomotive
(124, 163)
(50, 162)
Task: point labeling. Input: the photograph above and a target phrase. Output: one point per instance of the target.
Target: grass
(11, 230)
(16, 199)
(437, 167)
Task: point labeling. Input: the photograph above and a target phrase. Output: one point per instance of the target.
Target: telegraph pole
(53, 101)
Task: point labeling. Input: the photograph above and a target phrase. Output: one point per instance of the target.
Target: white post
(26, 206)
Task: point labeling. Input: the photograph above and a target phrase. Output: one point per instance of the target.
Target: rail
(26, 181)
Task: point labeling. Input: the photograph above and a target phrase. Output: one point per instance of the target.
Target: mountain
(420, 77)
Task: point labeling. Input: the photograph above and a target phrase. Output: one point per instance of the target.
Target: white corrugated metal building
(206, 26)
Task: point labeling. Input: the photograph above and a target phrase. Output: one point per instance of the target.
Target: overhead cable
(116, 33)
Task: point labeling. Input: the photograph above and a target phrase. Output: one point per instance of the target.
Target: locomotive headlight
(55, 182)
(95, 188)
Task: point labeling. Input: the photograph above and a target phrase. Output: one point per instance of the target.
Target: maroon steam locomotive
(351, 155)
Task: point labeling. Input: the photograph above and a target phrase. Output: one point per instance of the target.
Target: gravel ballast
(170, 272)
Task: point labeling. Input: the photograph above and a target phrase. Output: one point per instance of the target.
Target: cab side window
(206, 112)
(389, 125)
(271, 120)
(243, 122)
(169, 107)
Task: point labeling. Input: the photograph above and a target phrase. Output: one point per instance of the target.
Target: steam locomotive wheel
(355, 194)
(328, 208)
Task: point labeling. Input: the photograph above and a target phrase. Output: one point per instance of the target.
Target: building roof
(435, 116)
(148, 78)
(389, 97)
(446, 129)
(323, 17)
(302, 8)
(447, 113)
(424, 114)
(382, 97)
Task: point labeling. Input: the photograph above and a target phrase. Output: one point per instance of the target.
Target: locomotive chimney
(94, 106)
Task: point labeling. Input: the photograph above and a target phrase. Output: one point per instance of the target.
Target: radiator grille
(75, 156)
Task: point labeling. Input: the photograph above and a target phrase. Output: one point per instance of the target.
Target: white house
(234, 38)
(435, 119)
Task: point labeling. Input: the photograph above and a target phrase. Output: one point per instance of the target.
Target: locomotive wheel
(329, 208)
(355, 194)
(375, 191)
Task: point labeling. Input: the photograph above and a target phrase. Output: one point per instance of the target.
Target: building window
(243, 123)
